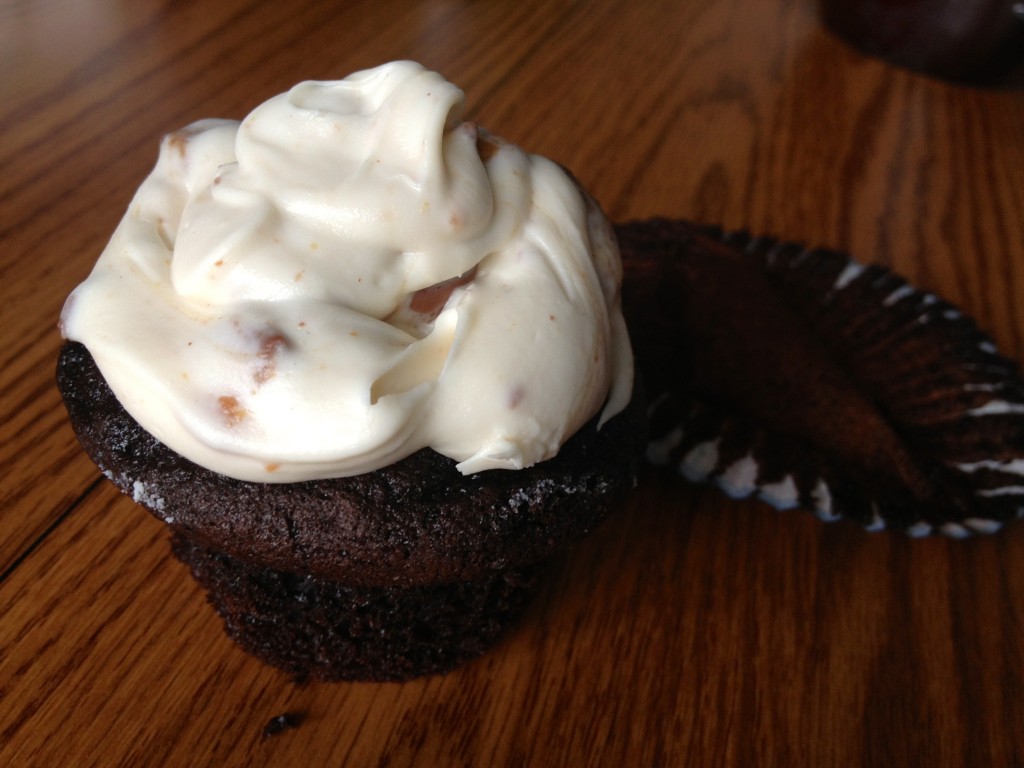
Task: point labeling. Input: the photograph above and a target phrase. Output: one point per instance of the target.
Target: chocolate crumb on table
(282, 723)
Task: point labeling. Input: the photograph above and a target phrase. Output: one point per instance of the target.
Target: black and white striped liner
(936, 378)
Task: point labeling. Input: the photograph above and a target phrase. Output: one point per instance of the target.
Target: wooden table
(690, 630)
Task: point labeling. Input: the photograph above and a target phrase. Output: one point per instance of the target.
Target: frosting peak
(351, 274)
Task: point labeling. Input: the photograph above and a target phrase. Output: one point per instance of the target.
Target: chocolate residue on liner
(805, 378)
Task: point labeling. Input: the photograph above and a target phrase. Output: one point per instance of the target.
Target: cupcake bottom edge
(313, 628)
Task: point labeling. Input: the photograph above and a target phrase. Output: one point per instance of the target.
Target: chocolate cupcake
(367, 363)
(402, 571)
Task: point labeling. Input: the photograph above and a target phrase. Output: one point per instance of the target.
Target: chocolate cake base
(322, 629)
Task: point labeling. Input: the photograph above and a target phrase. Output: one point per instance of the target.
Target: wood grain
(689, 630)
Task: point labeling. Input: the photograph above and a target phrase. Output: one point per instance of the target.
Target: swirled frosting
(351, 274)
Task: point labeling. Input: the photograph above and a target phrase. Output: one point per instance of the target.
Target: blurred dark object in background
(977, 42)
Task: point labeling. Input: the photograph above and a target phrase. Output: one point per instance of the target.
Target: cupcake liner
(805, 378)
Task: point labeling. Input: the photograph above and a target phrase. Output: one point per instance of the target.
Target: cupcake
(368, 364)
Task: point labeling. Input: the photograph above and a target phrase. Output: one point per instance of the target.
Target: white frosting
(257, 310)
